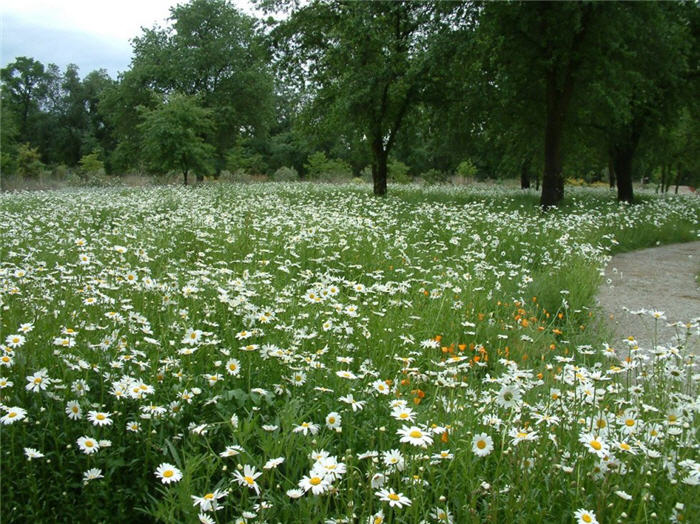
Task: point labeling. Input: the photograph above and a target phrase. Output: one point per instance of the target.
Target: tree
(24, 87)
(362, 64)
(29, 161)
(542, 48)
(173, 136)
(213, 51)
(646, 81)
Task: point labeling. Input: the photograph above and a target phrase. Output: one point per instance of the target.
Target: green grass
(450, 299)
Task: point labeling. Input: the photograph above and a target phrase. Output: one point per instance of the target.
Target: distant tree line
(542, 91)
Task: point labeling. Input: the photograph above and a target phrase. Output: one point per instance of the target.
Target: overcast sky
(93, 34)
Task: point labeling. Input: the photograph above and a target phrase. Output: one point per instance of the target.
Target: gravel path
(657, 279)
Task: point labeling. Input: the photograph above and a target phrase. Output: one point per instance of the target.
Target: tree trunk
(679, 178)
(379, 167)
(623, 170)
(552, 180)
(661, 180)
(611, 172)
(184, 174)
(525, 174)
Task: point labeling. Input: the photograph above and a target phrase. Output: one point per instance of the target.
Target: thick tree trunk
(184, 174)
(552, 179)
(623, 169)
(525, 174)
(379, 167)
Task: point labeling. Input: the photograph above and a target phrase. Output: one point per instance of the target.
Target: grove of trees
(543, 91)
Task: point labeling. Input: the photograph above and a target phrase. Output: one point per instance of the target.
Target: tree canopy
(511, 89)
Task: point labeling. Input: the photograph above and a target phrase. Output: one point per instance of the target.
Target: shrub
(467, 169)
(240, 159)
(60, 172)
(91, 165)
(398, 172)
(434, 176)
(29, 161)
(237, 177)
(319, 167)
(285, 174)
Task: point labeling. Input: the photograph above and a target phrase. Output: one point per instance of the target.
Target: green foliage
(91, 165)
(467, 169)
(398, 172)
(285, 174)
(29, 161)
(241, 158)
(214, 51)
(434, 176)
(173, 136)
(319, 167)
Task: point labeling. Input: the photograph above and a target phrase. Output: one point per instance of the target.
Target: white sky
(90, 33)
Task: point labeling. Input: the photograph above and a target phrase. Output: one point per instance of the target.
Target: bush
(7, 164)
(29, 161)
(91, 165)
(237, 177)
(240, 159)
(434, 176)
(319, 167)
(467, 169)
(60, 172)
(285, 174)
(398, 172)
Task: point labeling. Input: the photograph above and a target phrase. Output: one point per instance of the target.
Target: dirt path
(656, 279)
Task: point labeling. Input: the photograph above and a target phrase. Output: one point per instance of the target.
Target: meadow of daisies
(301, 353)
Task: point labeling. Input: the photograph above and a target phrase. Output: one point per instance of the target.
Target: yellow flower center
(12, 414)
(415, 434)
(625, 446)
(393, 496)
(168, 473)
(37, 380)
(249, 480)
(629, 422)
(331, 420)
(596, 445)
(100, 416)
(481, 444)
(403, 415)
(315, 481)
(586, 518)
(89, 443)
(209, 496)
(601, 423)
